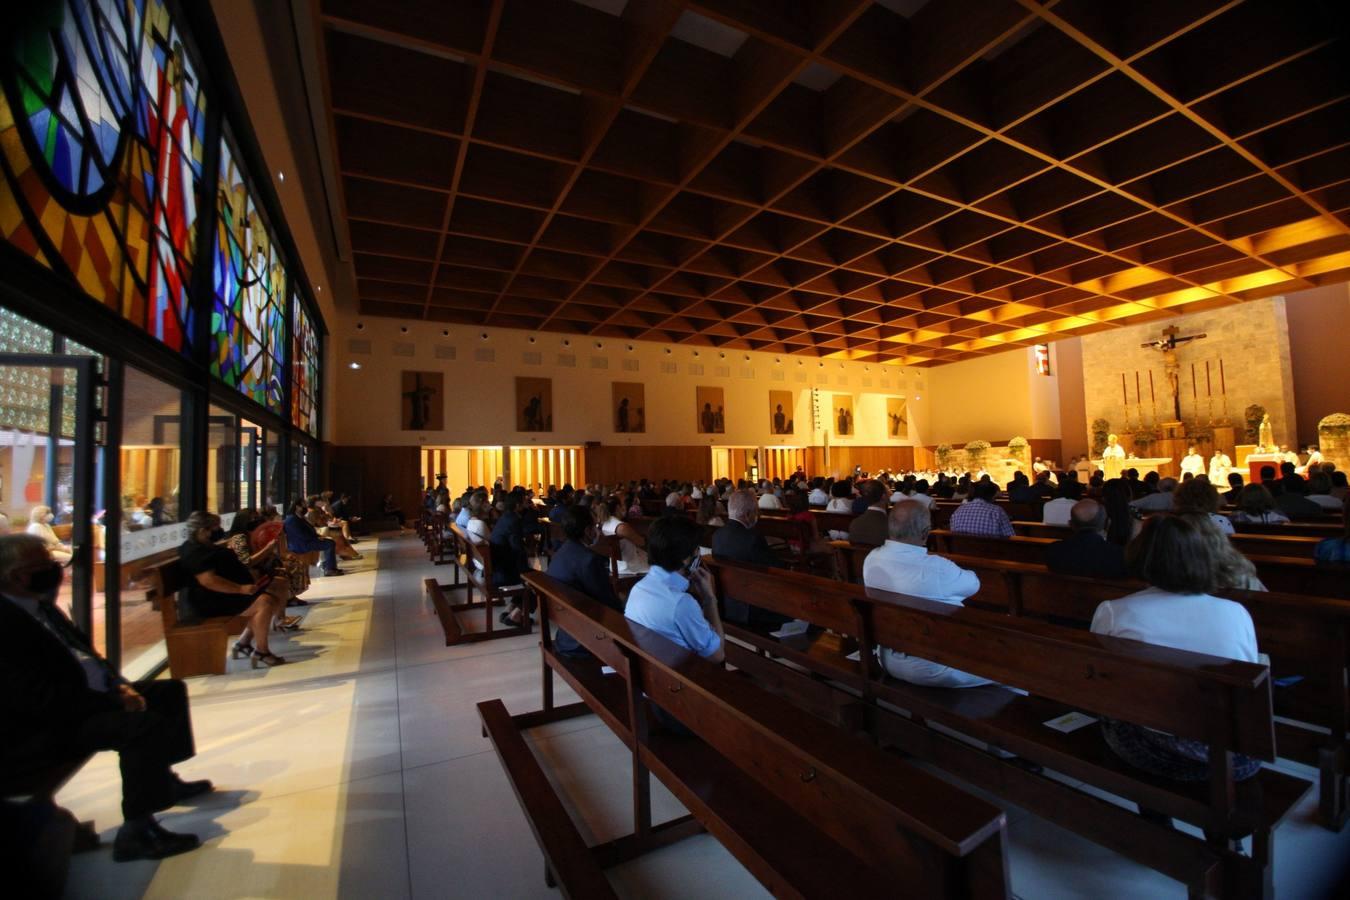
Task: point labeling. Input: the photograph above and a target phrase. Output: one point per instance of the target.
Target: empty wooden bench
(474, 561)
(1223, 702)
(809, 810)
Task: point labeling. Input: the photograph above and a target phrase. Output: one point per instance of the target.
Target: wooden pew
(474, 560)
(1296, 546)
(810, 811)
(1286, 574)
(1224, 702)
(194, 648)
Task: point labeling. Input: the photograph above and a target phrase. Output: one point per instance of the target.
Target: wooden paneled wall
(369, 473)
(611, 465)
(150, 471)
(1047, 448)
(539, 467)
(872, 459)
(781, 462)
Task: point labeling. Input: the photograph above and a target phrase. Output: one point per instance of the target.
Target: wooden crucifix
(1167, 345)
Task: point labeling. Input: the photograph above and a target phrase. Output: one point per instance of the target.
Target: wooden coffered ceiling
(893, 181)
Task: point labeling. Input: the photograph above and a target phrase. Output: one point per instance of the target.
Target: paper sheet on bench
(791, 629)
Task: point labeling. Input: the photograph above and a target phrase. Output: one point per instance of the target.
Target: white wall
(994, 398)
(480, 402)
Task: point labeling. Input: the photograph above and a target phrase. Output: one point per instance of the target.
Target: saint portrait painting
(630, 407)
(780, 412)
(534, 404)
(423, 399)
(897, 417)
(710, 410)
(841, 406)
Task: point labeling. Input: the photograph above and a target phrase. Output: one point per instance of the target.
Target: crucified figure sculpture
(1167, 345)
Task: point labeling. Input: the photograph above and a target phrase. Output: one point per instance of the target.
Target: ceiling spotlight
(353, 365)
(318, 287)
(445, 332)
(598, 345)
(281, 176)
(630, 348)
(360, 326)
(721, 356)
(404, 329)
(667, 351)
(483, 335)
(531, 340)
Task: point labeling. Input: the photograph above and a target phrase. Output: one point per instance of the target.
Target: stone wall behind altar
(1251, 338)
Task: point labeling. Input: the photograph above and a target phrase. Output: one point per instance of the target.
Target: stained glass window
(304, 371)
(102, 122)
(248, 315)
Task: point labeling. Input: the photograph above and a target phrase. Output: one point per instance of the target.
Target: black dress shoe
(186, 790)
(150, 842)
(331, 572)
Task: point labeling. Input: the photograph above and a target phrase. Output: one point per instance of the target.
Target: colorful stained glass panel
(102, 123)
(304, 371)
(248, 314)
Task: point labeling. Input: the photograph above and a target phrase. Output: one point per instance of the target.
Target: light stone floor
(358, 770)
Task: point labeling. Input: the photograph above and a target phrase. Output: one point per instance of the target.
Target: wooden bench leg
(1333, 787)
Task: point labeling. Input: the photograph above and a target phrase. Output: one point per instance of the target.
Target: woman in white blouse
(633, 559)
(40, 525)
(1178, 609)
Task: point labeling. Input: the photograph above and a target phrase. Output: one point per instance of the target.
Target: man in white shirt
(1192, 463)
(1220, 467)
(768, 499)
(1314, 459)
(903, 565)
(1159, 502)
(1056, 512)
(818, 497)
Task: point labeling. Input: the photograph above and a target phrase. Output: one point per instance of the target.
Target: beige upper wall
(994, 398)
(480, 402)
(1321, 364)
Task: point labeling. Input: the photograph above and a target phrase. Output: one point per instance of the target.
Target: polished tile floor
(358, 770)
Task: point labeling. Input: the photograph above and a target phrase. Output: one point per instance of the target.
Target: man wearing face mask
(62, 700)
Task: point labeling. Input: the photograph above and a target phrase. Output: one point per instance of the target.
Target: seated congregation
(1115, 632)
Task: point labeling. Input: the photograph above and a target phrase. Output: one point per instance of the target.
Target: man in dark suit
(1086, 551)
(61, 700)
(575, 564)
(302, 538)
(739, 541)
(870, 526)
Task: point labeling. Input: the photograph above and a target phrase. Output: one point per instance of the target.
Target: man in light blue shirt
(462, 520)
(676, 598)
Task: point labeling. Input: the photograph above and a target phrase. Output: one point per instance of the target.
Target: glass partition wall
(137, 219)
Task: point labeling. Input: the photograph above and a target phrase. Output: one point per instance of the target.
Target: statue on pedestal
(1265, 440)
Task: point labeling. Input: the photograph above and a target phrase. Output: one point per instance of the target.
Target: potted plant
(1253, 416)
(1100, 429)
(975, 453)
(943, 454)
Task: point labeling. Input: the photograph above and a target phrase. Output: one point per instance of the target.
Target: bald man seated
(904, 565)
(1087, 551)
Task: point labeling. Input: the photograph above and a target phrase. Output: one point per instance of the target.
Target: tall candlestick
(1209, 385)
(1150, 387)
(1223, 384)
(1136, 388)
(1124, 395)
(1194, 392)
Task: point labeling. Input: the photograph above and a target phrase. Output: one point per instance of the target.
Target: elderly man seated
(903, 565)
(62, 700)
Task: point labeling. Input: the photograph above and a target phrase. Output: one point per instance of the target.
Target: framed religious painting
(897, 418)
(534, 404)
(841, 414)
(781, 412)
(423, 401)
(630, 407)
(710, 410)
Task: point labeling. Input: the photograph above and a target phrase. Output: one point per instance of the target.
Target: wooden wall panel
(1047, 448)
(611, 465)
(368, 473)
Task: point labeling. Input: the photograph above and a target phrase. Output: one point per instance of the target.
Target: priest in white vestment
(1192, 463)
(1113, 458)
(1220, 467)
